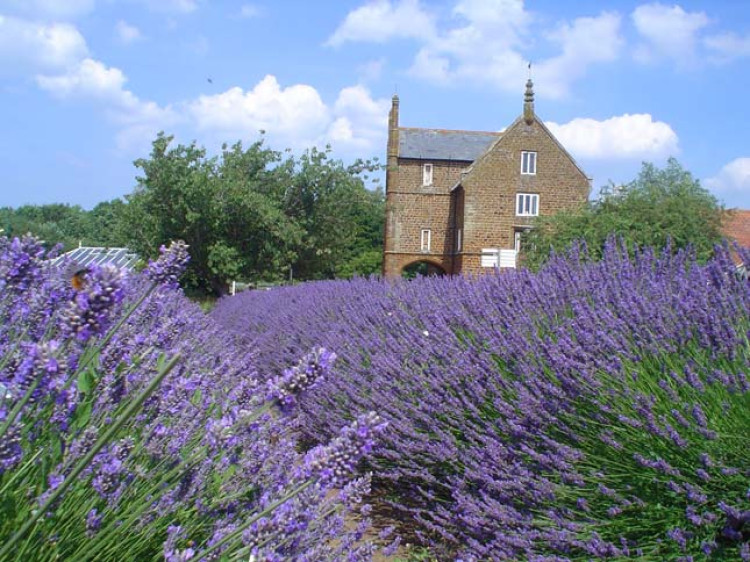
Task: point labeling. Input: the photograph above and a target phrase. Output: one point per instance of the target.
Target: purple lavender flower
(10, 447)
(707, 547)
(93, 522)
(41, 365)
(90, 311)
(170, 265)
(303, 376)
(679, 536)
(173, 554)
(703, 475)
(108, 474)
(332, 463)
(706, 460)
(699, 416)
(20, 261)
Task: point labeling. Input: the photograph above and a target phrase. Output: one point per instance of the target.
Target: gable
(524, 136)
(443, 144)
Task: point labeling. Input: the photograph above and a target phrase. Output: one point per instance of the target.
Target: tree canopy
(660, 206)
(67, 224)
(256, 214)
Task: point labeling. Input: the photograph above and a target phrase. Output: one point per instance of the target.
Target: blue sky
(85, 85)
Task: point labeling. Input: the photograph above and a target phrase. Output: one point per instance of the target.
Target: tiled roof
(87, 255)
(736, 226)
(442, 144)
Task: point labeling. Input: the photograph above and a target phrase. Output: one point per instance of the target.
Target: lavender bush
(590, 411)
(130, 429)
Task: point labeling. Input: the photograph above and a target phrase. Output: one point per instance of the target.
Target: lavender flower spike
(171, 263)
(303, 376)
(20, 260)
(90, 311)
(333, 462)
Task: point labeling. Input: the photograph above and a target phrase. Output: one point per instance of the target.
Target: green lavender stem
(86, 460)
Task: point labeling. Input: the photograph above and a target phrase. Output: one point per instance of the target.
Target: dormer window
(528, 163)
(426, 174)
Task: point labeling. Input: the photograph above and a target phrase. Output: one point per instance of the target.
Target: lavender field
(132, 429)
(590, 411)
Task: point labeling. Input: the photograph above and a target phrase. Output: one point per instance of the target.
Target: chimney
(389, 234)
(528, 103)
(393, 128)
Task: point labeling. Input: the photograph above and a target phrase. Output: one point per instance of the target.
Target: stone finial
(528, 102)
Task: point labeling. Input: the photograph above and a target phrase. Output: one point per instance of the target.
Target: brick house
(459, 200)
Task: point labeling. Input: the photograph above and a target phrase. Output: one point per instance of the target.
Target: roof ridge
(451, 130)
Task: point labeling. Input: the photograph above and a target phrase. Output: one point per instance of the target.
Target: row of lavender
(131, 430)
(592, 410)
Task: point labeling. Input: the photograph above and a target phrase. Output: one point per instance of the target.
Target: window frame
(527, 208)
(425, 247)
(428, 174)
(528, 163)
(459, 239)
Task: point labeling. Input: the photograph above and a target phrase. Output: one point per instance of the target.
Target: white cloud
(381, 20)
(728, 46)
(489, 50)
(584, 42)
(249, 11)
(39, 45)
(622, 137)
(506, 18)
(295, 116)
(485, 42)
(89, 78)
(668, 31)
(294, 111)
(50, 9)
(139, 120)
(732, 179)
(360, 121)
(127, 33)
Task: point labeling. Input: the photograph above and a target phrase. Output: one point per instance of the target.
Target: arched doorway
(423, 268)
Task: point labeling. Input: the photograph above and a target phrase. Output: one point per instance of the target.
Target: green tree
(256, 214)
(66, 224)
(341, 218)
(53, 223)
(105, 224)
(220, 207)
(660, 205)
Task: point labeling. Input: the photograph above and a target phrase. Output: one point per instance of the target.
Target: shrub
(592, 410)
(131, 430)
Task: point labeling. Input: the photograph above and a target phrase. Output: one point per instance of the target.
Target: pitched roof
(87, 255)
(442, 144)
(736, 225)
